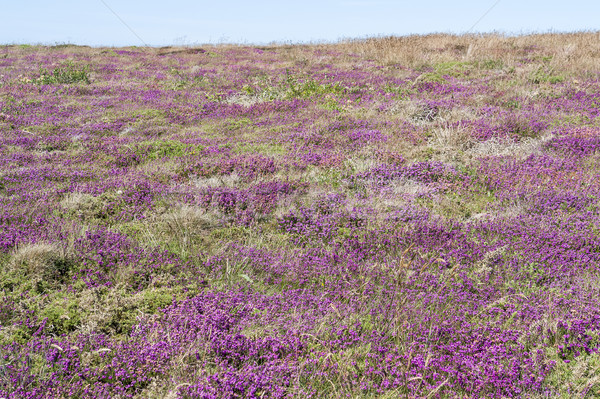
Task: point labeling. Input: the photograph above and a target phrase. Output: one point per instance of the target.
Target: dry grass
(417, 51)
(499, 147)
(34, 259)
(455, 136)
(230, 180)
(183, 228)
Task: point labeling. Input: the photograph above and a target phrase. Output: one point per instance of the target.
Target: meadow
(394, 217)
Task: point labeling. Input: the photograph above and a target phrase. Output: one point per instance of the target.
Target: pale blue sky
(160, 23)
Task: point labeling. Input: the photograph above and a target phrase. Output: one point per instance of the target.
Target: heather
(391, 217)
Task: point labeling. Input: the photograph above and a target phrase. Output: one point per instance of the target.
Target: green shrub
(63, 314)
(67, 74)
(153, 300)
(309, 87)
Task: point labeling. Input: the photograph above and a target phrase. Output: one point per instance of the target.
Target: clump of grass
(35, 258)
(41, 266)
(88, 207)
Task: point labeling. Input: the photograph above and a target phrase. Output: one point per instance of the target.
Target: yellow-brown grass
(417, 50)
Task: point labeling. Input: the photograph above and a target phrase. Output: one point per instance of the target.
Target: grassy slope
(392, 212)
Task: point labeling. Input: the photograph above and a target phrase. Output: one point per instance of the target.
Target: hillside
(389, 217)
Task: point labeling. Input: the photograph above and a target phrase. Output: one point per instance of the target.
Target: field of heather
(412, 217)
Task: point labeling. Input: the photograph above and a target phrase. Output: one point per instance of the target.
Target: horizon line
(341, 40)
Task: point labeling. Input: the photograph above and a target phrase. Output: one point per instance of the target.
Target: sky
(187, 22)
